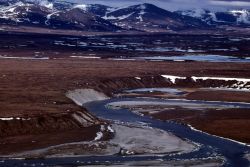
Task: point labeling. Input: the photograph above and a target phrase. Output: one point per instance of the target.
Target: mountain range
(96, 17)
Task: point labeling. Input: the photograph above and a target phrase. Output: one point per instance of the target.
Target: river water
(210, 146)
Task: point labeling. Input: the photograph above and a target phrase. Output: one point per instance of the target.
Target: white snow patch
(221, 78)
(117, 18)
(243, 16)
(81, 6)
(24, 58)
(49, 17)
(242, 83)
(46, 4)
(138, 78)
(99, 136)
(7, 119)
(172, 78)
(110, 129)
(14, 118)
(140, 18)
(9, 12)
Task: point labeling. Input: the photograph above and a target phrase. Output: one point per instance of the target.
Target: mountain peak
(145, 6)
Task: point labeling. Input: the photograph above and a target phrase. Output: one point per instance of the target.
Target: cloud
(231, 3)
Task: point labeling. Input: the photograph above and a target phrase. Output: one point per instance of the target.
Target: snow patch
(7, 119)
(24, 58)
(81, 6)
(172, 78)
(110, 129)
(117, 18)
(49, 17)
(46, 4)
(242, 83)
(221, 78)
(140, 18)
(99, 136)
(243, 16)
(138, 78)
(14, 118)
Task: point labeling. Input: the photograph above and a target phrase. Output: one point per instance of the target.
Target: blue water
(199, 57)
(163, 90)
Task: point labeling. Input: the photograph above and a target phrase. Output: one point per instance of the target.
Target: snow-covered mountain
(230, 17)
(46, 15)
(24, 13)
(242, 16)
(77, 18)
(151, 18)
(58, 14)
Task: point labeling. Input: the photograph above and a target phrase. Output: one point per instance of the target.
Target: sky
(177, 4)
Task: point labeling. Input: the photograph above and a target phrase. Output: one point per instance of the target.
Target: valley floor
(35, 112)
